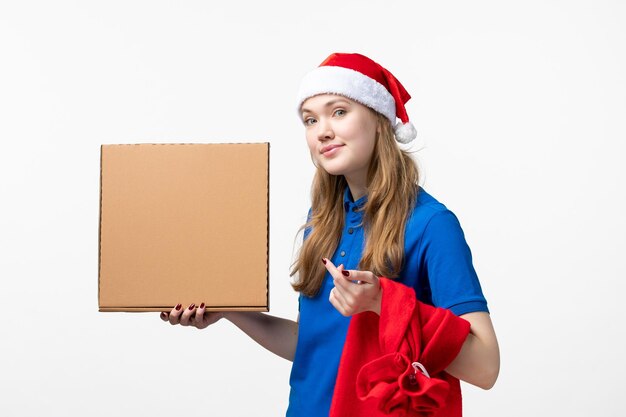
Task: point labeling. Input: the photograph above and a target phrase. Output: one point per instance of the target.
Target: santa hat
(359, 78)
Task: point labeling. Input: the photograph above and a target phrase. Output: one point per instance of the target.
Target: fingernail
(324, 261)
(191, 306)
(346, 273)
(163, 315)
(178, 306)
(202, 305)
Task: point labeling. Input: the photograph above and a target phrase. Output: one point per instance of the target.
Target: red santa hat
(359, 78)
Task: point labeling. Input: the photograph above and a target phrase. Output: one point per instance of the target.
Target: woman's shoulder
(431, 217)
(426, 205)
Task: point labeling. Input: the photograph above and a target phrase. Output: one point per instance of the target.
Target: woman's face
(341, 134)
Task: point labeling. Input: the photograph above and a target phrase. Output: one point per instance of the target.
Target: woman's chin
(332, 171)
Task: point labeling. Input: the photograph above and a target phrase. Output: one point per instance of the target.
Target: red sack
(393, 364)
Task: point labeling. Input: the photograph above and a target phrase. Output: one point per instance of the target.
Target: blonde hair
(392, 184)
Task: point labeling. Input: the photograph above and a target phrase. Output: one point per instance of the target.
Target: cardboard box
(184, 223)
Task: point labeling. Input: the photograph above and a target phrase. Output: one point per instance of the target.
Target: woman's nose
(324, 130)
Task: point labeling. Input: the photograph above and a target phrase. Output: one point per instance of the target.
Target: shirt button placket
(352, 217)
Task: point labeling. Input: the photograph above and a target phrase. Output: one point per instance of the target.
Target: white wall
(520, 110)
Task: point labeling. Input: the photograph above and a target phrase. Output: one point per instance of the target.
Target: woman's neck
(357, 189)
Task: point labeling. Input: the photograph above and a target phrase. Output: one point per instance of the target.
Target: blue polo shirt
(438, 265)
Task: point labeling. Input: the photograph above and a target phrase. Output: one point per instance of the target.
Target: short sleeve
(448, 260)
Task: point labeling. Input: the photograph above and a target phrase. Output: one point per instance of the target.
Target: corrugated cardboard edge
(100, 230)
(267, 256)
(166, 308)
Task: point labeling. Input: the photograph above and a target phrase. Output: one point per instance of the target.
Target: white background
(520, 111)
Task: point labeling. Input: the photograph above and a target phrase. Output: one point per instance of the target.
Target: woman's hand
(355, 291)
(191, 316)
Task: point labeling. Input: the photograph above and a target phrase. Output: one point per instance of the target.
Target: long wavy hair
(392, 184)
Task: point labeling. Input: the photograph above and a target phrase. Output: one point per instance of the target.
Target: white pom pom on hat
(361, 79)
(405, 132)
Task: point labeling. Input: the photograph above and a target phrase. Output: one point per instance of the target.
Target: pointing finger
(330, 267)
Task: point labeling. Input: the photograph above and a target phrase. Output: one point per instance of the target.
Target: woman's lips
(330, 150)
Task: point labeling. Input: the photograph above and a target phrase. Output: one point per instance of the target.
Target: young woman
(378, 226)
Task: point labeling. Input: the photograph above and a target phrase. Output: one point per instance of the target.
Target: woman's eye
(309, 121)
(340, 112)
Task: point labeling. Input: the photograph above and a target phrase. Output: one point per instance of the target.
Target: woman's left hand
(355, 291)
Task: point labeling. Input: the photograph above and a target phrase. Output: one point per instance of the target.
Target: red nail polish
(163, 314)
(324, 261)
(346, 273)
(202, 305)
(178, 306)
(191, 306)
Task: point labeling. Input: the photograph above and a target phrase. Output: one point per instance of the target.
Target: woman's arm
(275, 334)
(478, 362)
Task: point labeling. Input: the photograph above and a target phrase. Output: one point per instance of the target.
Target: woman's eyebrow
(330, 103)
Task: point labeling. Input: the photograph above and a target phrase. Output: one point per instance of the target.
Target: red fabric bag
(393, 364)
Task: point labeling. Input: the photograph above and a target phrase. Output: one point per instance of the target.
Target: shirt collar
(348, 203)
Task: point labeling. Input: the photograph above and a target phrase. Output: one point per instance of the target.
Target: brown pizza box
(184, 223)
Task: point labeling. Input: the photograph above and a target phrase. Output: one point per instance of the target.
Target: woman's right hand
(191, 316)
